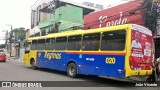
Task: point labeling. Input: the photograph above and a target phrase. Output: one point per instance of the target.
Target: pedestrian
(152, 77)
(158, 68)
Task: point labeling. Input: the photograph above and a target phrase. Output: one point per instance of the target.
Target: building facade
(37, 17)
(56, 16)
(98, 6)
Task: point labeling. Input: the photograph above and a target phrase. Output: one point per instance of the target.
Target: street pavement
(15, 70)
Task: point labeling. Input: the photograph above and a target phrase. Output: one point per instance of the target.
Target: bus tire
(33, 65)
(72, 70)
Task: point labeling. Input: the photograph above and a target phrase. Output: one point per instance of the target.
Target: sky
(18, 13)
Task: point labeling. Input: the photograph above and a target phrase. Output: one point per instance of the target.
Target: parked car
(2, 51)
(2, 57)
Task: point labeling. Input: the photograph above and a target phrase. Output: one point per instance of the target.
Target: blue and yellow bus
(117, 51)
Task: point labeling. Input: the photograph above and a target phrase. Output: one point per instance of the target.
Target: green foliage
(20, 32)
(2, 45)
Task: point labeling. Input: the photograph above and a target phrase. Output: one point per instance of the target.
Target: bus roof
(81, 32)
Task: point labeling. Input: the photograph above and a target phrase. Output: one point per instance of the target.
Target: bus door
(27, 51)
(141, 49)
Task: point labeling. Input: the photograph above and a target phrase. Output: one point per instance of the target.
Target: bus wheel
(33, 65)
(72, 70)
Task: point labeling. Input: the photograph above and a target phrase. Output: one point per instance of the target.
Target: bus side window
(50, 42)
(74, 42)
(61, 43)
(113, 40)
(34, 45)
(91, 42)
(41, 44)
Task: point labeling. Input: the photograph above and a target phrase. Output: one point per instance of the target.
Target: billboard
(141, 48)
(130, 12)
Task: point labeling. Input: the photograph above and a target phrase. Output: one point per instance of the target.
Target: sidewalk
(20, 59)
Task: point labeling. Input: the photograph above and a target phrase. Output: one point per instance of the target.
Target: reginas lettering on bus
(52, 55)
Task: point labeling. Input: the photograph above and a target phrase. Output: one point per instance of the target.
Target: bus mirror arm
(27, 51)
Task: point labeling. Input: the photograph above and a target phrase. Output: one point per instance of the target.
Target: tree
(20, 33)
(2, 45)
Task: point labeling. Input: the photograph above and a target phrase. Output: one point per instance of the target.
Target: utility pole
(10, 39)
(6, 40)
(15, 37)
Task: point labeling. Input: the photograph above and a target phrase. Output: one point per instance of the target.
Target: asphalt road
(15, 70)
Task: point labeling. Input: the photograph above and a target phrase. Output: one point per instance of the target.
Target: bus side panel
(32, 54)
(51, 60)
(41, 61)
(26, 59)
(86, 63)
(98, 64)
(28, 56)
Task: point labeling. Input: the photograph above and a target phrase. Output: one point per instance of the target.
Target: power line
(37, 3)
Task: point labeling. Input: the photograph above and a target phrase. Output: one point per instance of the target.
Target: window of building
(41, 44)
(91, 42)
(113, 40)
(74, 42)
(50, 44)
(61, 43)
(34, 45)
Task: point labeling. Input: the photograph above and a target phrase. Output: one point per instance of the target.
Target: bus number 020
(110, 60)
